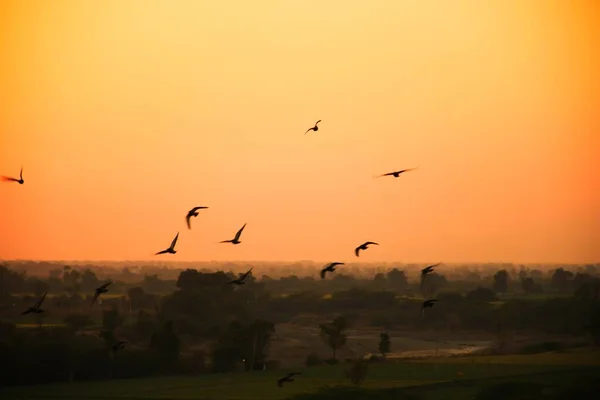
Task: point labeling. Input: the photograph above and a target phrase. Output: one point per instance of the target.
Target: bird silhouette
(396, 174)
(236, 239)
(192, 213)
(240, 280)
(36, 307)
(171, 249)
(99, 291)
(288, 378)
(363, 246)
(426, 271)
(20, 181)
(428, 304)
(330, 268)
(314, 128)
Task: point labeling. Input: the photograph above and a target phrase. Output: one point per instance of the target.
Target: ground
(432, 378)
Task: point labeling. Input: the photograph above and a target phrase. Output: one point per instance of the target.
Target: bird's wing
(434, 265)
(174, 241)
(162, 252)
(323, 272)
(105, 285)
(40, 301)
(246, 274)
(308, 130)
(9, 179)
(356, 250)
(388, 174)
(95, 297)
(21, 174)
(317, 122)
(187, 220)
(198, 208)
(239, 233)
(368, 243)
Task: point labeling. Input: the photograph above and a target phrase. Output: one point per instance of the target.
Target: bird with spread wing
(330, 268)
(192, 213)
(171, 249)
(20, 181)
(236, 239)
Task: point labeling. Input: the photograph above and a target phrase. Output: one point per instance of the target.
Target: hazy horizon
(125, 114)
(317, 262)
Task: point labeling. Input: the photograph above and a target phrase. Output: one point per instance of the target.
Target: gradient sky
(125, 114)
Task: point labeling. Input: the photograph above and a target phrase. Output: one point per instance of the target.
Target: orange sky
(127, 113)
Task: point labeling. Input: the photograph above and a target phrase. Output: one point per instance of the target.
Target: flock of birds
(194, 212)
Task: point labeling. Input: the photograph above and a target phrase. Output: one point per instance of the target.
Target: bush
(358, 372)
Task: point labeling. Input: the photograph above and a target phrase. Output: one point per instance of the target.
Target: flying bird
(363, 246)
(426, 271)
(240, 280)
(330, 268)
(20, 181)
(192, 213)
(100, 290)
(171, 249)
(314, 128)
(396, 174)
(36, 307)
(288, 378)
(236, 239)
(428, 304)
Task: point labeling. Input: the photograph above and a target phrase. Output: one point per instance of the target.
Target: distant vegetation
(192, 322)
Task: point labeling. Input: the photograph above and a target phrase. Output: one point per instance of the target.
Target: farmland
(431, 378)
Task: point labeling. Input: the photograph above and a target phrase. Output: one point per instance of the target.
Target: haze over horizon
(125, 114)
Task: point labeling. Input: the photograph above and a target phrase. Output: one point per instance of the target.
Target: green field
(449, 378)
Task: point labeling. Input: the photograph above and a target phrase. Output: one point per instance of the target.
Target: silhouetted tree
(242, 342)
(166, 344)
(89, 280)
(581, 279)
(384, 343)
(136, 297)
(333, 334)
(71, 279)
(111, 319)
(480, 295)
(397, 279)
(501, 281)
(10, 281)
(358, 372)
(529, 285)
(560, 279)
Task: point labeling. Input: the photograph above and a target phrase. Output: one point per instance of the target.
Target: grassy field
(446, 378)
